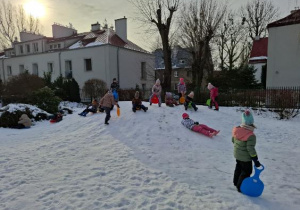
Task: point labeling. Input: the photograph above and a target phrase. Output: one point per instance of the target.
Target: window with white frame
(21, 69)
(51, 46)
(27, 48)
(58, 46)
(50, 67)
(9, 71)
(143, 70)
(68, 69)
(21, 49)
(88, 64)
(35, 47)
(175, 73)
(35, 69)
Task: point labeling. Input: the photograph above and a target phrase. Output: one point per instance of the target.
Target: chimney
(95, 26)
(121, 28)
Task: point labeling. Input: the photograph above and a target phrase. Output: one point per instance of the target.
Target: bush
(8, 119)
(94, 88)
(21, 86)
(45, 99)
(71, 88)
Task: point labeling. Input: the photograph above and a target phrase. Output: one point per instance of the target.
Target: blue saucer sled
(253, 186)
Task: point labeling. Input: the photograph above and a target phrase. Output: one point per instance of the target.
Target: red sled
(154, 99)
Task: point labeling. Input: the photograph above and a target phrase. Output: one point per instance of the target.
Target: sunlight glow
(34, 8)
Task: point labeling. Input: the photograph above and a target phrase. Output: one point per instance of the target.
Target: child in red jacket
(214, 92)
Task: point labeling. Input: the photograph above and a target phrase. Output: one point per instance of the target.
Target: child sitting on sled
(169, 100)
(195, 126)
(189, 100)
(137, 103)
(90, 108)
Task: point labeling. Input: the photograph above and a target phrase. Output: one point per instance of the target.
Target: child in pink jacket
(214, 92)
(199, 128)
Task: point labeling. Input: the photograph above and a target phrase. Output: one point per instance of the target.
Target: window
(188, 73)
(55, 46)
(88, 64)
(35, 47)
(68, 69)
(58, 46)
(50, 67)
(175, 73)
(143, 88)
(21, 69)
(175, 86)
(51, 46)
(21, 49)
(27, 48)
(35, 69)
(9, 71)
(143, 70)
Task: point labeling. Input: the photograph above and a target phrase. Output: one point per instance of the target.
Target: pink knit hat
(210, 86)
(185, 115)
(181, 80)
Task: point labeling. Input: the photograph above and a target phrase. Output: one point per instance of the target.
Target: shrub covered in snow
(10, 114)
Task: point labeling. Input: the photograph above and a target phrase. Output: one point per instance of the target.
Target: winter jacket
(137, 101)
(107, 100)
(25, 120)
(181, 88)
(93, 106)
(189, 123)
(114, 86)
(188, 99)
(156, 89)
(244, 141)
(214, 92)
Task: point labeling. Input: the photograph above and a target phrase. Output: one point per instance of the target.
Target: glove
(196, 123)
(256, 162)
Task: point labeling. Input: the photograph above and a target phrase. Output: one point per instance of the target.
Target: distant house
(259, 56)
(102, 53)
(284, 51)
(181, 66)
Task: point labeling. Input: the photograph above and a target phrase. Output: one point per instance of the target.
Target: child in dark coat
(90, 108)
(199, 128)
(137, 103)
(189, 100)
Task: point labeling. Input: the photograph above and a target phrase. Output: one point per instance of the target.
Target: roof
(293, 18)
(259, 52)
(2, 54)
(105, 36)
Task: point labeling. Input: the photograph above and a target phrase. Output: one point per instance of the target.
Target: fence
(288, 97)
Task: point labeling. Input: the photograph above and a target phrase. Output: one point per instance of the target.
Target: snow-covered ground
(144, 161)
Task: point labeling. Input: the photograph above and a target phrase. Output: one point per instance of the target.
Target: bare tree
(199, 23)
(13, 20)
(231, 40)
(160, 13)
(257, 14)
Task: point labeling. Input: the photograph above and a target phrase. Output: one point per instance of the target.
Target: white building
(101, 53)
(284, 51)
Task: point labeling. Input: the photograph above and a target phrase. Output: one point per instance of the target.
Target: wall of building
(284, 56)
(130, 69)
(106, 60)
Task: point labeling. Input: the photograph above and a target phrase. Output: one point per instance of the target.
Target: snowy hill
(144, 161)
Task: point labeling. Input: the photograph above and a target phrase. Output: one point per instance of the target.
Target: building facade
(181, 66)
(102, 53)
(284, 51)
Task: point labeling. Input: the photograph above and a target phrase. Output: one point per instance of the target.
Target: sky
(81, 14)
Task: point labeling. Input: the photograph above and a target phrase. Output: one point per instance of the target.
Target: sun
(34, 8)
